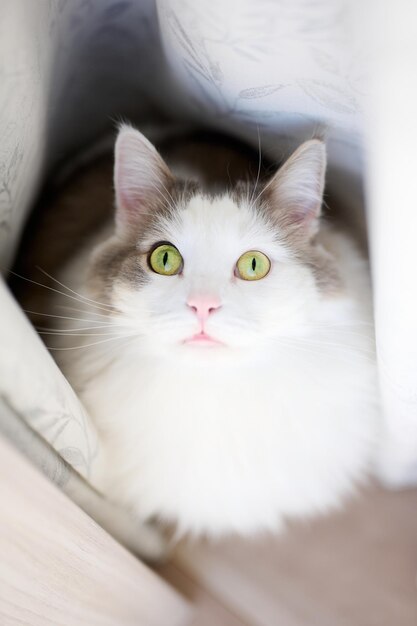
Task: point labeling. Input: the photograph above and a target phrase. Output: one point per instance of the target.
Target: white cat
(234, 385)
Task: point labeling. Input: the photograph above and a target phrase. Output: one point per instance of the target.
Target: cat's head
(199, 272)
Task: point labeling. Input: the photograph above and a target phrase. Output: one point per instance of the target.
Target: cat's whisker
(301, 349)
(71, 308)
(171, 203)
(70, 331)
(34, 282)
(95, 343)
(80, 334)
(85, 298)
(339, 329)
(109, 318)
(263, 190)
(259, 169)
(351, 322)
(309, 349)
(168, 192)
(64, 317)
(345, 336)
(323, 341)
(351, 326)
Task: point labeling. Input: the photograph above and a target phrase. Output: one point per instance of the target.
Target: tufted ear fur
(141, 177)
(295, 192)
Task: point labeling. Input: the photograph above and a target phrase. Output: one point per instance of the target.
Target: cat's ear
(141, 177)
(296, 190)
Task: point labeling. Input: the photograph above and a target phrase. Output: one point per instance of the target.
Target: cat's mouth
(202, 339)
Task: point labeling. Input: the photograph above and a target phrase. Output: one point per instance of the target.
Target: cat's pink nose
(203, 306)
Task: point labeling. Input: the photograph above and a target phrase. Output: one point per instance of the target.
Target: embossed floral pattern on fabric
(34, 387)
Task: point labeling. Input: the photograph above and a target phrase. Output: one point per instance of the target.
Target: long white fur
(279, 422)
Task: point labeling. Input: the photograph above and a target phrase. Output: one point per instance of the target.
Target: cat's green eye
(165, 259)
(253, 265)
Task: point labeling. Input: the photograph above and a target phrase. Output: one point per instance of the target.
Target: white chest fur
(235, 445)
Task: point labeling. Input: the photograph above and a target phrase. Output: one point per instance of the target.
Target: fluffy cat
(232, 376)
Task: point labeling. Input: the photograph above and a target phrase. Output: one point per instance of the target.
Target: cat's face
(195, 272)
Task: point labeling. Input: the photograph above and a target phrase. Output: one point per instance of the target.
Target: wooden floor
(59, 568)
(356, 568)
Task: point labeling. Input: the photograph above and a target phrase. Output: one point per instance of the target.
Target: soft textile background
(277, 70)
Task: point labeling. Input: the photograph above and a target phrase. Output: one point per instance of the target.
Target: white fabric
(24, 71)
(278, 68)
(392, 135)
(33, 386)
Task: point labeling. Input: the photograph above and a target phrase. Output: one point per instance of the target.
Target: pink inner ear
(298, 216)
(127, 206)
(127, 197)
(133, 173)
(138, 175)
(127, 194)
(297, 187)
(305, 214)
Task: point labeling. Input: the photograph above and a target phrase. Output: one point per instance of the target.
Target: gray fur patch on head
(161, 207)
(115, 261)
(244, 192)
(123, 258)
(323, 266)
(311, 252)
(291, 202)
